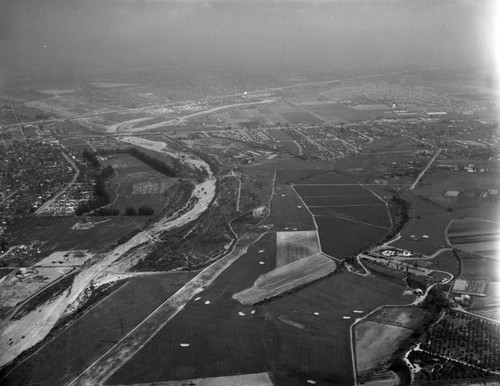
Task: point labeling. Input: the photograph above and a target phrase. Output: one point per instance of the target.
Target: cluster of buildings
(407, 97)
(256, 137)
(31, 172)
(68, 201)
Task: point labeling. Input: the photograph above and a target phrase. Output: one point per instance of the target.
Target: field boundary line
(357, 221)
(340, 206)
(311, 214)
(113, 364)
(340, 195)
(381, 199)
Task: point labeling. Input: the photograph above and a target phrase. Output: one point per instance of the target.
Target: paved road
(425, 170)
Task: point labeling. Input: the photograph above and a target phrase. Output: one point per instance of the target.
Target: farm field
(337, 112)
(225, 338)
(288, 212)
(375, 343)
(381, 333)
(328, 178)
(293, 246)
(301, 117)
(475, 267)
(88, 337)
(488, 306)
(342, 238)
(287, 278)
(317, 190)
(283, 138)
(343, 200)
(213, 328)
(136, 184)
(349, 217)
(280, 112)
(475, 236)
(291, 170)
(370, 214)
(320, 348)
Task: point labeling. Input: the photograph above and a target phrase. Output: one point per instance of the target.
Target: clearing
(287, 278)
(292, 246)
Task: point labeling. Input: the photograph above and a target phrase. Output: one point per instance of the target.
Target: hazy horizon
(61, 37)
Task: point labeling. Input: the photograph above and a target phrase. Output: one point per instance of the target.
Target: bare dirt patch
(287, 278)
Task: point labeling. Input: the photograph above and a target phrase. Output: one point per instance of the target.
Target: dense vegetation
(91, 158)
(466, 338)
(153, 162)
(436, 368)
(100, 196)
(399, 209)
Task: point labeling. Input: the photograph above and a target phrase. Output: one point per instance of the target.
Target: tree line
(154, 163)
(100, 196)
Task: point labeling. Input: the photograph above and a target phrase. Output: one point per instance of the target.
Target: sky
(50, 37)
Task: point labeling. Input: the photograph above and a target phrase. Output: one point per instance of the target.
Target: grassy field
(294, 169)
(287, 278)
(337, 112)
(302, 117)
(345, 200)
(475, 236)
(475, 267)
(59, 234)
(288, 212)
(342, 238)
(375, 343)
(316, 190)
(83, 341)
(284, 139)
(223, 342)
(381, 333)
(370, 214)
(327, 178)
(136, 184)
(349, 217)
(293, 246)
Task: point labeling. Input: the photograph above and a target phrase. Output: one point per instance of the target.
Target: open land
(288, 212)
(344, 232)
(93, 333)
(291, 354)
(61, 233)
(287, 278)
(293, 246)
(136, 184)
(290, 337)
(475, 236)
(380, 334)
